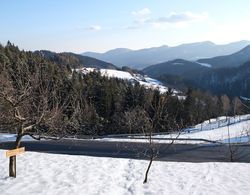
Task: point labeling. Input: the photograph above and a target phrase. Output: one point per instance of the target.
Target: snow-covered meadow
(52, 174)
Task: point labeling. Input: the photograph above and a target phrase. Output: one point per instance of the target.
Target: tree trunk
(149, 165)
(151, 157)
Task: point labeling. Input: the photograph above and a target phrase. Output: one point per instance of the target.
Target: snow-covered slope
(143, 80)
(53, 174)
(221, 129)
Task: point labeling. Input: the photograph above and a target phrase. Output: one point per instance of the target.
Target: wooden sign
(14, 152)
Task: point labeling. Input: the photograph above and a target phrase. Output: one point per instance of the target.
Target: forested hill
(220, 75)
(75, 61)
(234, 81)
(228, 61)
(39, 96)
(178, 67)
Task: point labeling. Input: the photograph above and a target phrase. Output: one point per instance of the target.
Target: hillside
(232, 81)
(144, 57)
(75, 60)
(143, 80)
(178, 67)
(233, 60)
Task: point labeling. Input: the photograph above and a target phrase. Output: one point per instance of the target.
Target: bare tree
(237, 105)
(225, 104)
(234, 147)
(29, 102)
(160, 119)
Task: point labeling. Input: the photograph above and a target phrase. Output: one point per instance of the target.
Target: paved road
(176, 152)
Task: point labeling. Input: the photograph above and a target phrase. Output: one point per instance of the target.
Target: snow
(145, 81)
(117, 74)
(178, 63)
(245, 98)
(153, 81)
(7, 137)
(12, 137)
(41, 173)
(215, 133)
(215, 130)
(54, 174)
(204, 64)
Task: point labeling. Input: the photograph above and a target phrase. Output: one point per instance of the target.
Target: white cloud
(174, 19)
(142, 13)
(140, 20)
(182, 17)
(93, 27)
(132, 27)
(177, 20)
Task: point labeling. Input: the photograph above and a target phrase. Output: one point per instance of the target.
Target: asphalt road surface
(175, 152)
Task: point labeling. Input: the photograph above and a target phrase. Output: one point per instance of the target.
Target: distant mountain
(144, 57)
(76, 60)
(185, 69)
(178, 67)
(233, 60)
(229, 74)
(233, 81)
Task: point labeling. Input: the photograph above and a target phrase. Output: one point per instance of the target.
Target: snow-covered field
(53, 174)
(143, 80)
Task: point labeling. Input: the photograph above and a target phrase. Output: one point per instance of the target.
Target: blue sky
(100, 25)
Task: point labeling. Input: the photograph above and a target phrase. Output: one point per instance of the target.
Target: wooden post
(12, 164)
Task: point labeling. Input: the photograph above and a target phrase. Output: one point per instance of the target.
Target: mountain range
(185, 68)
(229, 74)
(142, 58)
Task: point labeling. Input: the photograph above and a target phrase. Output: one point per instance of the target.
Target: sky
(100, 25)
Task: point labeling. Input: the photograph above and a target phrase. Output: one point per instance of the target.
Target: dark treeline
(40, 95)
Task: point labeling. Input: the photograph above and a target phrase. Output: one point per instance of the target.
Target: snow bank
(7, 137)
(54, 174)
(4, 137)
